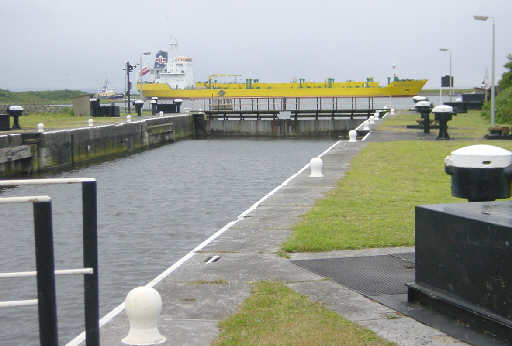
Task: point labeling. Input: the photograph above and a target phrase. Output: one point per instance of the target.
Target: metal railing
(45, 268)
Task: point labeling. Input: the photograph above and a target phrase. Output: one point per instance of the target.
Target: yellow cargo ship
(173, 78)
(292, 89)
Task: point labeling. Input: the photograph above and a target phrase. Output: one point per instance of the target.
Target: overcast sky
(57, 44)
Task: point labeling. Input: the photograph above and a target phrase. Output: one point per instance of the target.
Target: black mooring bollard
(154, 105)
(94, 104)
(178, 103)
(138, 106)
(443, 115)
(15, 112)
(424, 108)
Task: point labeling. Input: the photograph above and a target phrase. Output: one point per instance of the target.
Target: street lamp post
(450, 89)
(140, 65)
(484, 18)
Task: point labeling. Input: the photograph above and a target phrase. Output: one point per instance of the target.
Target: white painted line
(118, 309)
(366, 136)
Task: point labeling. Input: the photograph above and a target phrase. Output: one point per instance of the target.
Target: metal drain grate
(372, 275)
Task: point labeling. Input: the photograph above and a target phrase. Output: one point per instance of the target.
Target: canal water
(153, 208)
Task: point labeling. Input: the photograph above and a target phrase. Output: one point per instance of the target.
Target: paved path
(197, 295)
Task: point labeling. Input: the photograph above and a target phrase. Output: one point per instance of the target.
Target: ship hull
(394, 89)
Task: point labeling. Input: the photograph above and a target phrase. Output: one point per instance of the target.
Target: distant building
(81, 105)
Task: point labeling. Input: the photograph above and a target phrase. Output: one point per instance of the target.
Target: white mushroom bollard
(161, 113)
(128, 118)
(316, 164)
(352, 136)
(40, 127)
(371, 120)
(91, 122)
(143, 307)
(392, 111)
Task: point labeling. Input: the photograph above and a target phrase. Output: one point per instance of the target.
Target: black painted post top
(480, 172)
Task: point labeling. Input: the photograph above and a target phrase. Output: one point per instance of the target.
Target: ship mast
(173, 48)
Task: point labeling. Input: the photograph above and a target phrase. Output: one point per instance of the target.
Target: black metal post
(128, 84)
(47, 306)
(90, 244)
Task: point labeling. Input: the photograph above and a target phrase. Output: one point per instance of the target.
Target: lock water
(153, 208)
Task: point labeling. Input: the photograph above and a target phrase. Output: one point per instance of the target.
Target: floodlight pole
(493, 89)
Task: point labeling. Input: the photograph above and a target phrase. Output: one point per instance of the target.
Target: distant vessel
(173, 78)
(107, 92)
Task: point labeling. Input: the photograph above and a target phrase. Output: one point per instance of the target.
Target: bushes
(503, 107)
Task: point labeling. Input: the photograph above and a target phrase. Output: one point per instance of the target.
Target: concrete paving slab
(344, 301)
(248, 238)
(242, 267)
(351, 253)
(406, 331)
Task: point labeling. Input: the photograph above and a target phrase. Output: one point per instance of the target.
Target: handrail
(57, 272)
(45, 181)
(44, 257)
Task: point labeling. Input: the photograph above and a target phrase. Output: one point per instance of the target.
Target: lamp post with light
(484, 18)
(450, 88)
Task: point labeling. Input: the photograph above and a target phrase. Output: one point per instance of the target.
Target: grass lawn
(373, 205)
(66, 120)
(277, 315)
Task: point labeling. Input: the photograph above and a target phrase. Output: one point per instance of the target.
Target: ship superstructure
(175, 71)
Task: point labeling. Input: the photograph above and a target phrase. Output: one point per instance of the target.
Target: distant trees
(38, 97)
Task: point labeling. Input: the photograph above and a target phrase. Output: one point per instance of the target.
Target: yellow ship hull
(270, 90)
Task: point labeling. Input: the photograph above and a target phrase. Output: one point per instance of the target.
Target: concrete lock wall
(28, 153)
(282, 127)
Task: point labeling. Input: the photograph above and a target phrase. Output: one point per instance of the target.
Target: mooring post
(90, 249)
(47, 307)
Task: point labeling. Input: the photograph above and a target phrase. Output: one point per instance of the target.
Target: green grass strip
(373, 205)
(276, 315)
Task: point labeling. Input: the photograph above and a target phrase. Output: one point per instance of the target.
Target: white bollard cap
(143, 307)
(371, 120)
(161, 113)
(40, 127)
(352, 135)
(128, 118)
(316, 164)
(91, 122)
